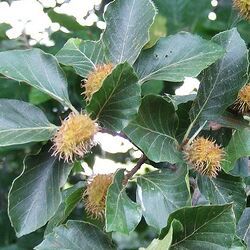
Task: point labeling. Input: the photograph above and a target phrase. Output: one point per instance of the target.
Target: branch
(135, 169)
(140, 161)
(196, 197)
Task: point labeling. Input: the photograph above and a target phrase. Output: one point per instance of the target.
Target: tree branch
(135, 169)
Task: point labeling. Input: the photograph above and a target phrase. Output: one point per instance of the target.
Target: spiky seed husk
(95, 195)
(204, 156)
(242, 103)
(95, 79)
(74, 137)
(244, 7)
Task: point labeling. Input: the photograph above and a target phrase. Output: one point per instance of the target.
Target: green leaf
(163, 244)
(168, 189)
(3, 28)
(83, 56)
(241, 168)
(184, 14)
(204, 227)
(184, 120)
(21, 122)
(69, 22)
(238, 244)
(154, 128)
(122, 214)
(239, 146)
(221, 82)
(243, 226)
(37, 97)
(35, 194)
(230, 120)
(71, 197)
(75, 235)
(127, 31)
(180, 99)
(224, 189)
(152, 87)
(21, 90)
(157, 30)
(118, 100)
(175, 57)
(38, 69)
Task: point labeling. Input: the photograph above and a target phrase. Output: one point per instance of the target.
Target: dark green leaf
(127, 31)
(180, 99)
(122, 214)
(239, 146)
(221, 82)
(184, 119)
(71, 197)
(224, 189)
(175, 57)
(184, 14)
(243, 226)
(163, 244)
(38, 69)
(37, 97)
(35, 194)
(153, 87)
(238, 244)
(69, 22)
(83, 56)
(3, 28)
(154, 128)
(118, 100)
(76, 235)
(241, 168)
(204, 227)
(21, 122)
(21, 90)
(230, 120)
(157, 30)
(168, 189)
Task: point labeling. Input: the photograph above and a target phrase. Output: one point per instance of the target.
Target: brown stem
(140, 161)
(135, 169)
(196, 197)
(192, 183)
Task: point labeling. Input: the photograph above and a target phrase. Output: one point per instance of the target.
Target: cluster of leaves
(192, 211)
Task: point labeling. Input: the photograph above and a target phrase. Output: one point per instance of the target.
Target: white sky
(27, 16)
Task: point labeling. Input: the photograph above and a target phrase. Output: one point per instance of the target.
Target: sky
(27, 16)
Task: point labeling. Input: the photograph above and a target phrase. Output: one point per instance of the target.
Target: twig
(135, 169)
(140, 161)
(186, 140)
(192, 183)
(196, 197)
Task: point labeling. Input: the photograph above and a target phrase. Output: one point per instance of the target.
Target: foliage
(163, 202)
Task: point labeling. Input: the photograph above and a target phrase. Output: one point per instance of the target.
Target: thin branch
(196, 197)
(138, 165)
(193, 183)
(140, 161)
